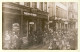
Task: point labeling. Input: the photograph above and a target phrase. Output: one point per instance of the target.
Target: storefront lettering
(26, 13)
(31, 22)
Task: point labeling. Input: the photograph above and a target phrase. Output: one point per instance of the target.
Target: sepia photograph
(39, 25)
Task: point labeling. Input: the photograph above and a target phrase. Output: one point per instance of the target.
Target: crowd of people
(56, 40)
(61, 39)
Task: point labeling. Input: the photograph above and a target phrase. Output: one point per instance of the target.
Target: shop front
(26, 24)
(33, 28)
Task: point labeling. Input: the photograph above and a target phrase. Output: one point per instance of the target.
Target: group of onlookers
(61, 39)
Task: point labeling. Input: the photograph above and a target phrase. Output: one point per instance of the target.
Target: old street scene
(39, 25)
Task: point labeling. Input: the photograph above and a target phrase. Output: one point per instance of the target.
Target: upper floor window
(21, 3)
(34, 4)
(57, 11)
(61, 13)
(27, 4)
(41, 6)
(64, 3)
(45, 6)
(16, 2)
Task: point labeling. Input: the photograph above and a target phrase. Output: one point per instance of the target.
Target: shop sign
(31, 22)
(32, 14)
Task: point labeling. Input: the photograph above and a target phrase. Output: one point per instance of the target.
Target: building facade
(31, 20)
(73, 15)
(27, 19)
(60, 15)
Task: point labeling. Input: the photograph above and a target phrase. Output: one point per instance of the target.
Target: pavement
(38, 47)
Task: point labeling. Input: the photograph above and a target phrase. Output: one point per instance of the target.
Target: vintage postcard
(40, 25)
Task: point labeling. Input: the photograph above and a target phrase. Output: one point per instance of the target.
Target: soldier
(50, 39)
(54, 40)
(15, 39)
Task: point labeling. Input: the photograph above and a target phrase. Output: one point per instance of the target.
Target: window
(61, 13)
(45, 6)
(27, 4)
(41, 6)
(57, 12)
(16, 2)
(64, 3)
(21, 3)
(34, 4)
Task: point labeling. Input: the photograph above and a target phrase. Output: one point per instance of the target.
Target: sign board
(32, 14)
(31, 22)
